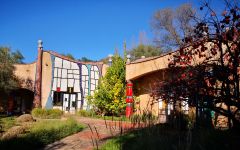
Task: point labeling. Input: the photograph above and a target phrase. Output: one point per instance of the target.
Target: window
(57, 98)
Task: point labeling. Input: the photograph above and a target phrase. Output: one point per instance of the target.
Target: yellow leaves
(116, 101)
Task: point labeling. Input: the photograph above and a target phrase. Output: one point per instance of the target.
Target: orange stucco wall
(26, 72)
(46, 77)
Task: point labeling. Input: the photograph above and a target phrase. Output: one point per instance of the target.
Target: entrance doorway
(69, 102)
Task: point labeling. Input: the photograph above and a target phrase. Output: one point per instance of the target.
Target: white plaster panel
(92, 74)
(63, 84)
(84, 104)
(70, 71)
(59, 72)
(96, 75)
(78, 104)
(64, 73)
(58, 82)
(58, 62)
(83, 85)
(70, 76)
(84, 70)
(77, 86)
(55, 72)
(95, 68)
(66, 64)
(54, 84)
(75, 71)
(52, 94)
(76, 76)
(74, 65)
(70, 82)
(79, 96)
(92, 87)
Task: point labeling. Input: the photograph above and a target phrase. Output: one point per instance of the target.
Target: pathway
(96, 132)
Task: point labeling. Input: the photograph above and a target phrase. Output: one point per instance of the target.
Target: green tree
(144, 50)
(109, 98)
(85, 59)
(70, 56)
(8, 80)
(17, 57)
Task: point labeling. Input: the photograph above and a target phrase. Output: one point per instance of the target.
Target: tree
(109, 98)
(18, 57)
(85, 59)
(171, 26)
(208, 65)
(8, 80)
(144, 50)
(68, 55)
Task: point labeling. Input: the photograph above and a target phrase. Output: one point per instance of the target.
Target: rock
(14, 132)
(25, 118)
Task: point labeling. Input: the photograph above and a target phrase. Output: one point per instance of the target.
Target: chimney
(38, 81)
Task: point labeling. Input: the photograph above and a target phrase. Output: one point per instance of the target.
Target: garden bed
(40, 133)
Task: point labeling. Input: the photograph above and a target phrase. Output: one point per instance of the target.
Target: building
(145, 73)
(54, 81)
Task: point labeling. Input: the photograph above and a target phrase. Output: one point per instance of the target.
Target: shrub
(47, 113)
(54, 113)
(85, 113)
(25, 118)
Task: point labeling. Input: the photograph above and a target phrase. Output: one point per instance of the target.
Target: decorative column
(38, 81)
(129, 99)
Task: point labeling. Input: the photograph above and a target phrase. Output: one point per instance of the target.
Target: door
(69, 103)
(72, 103)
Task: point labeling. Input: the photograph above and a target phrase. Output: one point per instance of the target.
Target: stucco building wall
(46, 77)
(143, 87)
(26, 72)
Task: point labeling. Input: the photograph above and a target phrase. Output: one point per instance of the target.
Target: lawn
(42, 132)
(161, 137)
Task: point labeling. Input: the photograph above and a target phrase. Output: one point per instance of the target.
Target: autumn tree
(208, 65)
(172, 25)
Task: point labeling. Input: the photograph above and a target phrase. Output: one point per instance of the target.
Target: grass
(91, 114)
(47, 113)
(7, 122)
(165, 138)
(42, 133)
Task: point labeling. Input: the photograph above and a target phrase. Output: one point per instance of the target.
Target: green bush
(47, 113)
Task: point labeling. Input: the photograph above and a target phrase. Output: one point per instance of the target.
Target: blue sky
(89, 28)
